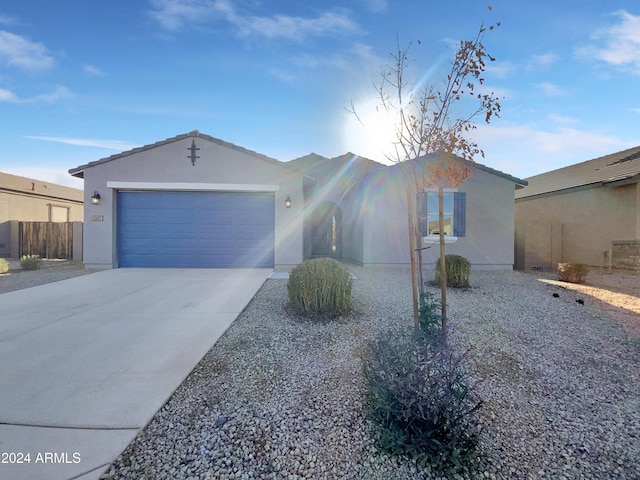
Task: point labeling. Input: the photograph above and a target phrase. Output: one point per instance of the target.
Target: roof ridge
(193, 133)
(614, 167)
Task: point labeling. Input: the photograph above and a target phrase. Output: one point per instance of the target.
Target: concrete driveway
(85, 363)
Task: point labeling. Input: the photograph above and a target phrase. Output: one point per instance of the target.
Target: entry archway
(326, 231)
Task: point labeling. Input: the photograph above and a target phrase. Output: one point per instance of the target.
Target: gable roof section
(317, 163)
(346, 169)
(38, 188)
(79, 171)
(616, 167)
(519, 183)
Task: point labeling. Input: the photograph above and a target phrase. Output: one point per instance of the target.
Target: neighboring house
(196, 201)
(29, 200)
(585, 213)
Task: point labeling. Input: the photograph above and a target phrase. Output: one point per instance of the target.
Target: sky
(82, 80)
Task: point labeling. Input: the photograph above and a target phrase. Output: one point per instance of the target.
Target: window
(454, 211)
(58, 213)
(433, 224)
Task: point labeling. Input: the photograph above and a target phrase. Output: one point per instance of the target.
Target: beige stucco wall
(488, 243)
(577, 226)
(21, 207)
(168, 164)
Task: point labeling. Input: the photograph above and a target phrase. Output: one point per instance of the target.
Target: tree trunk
(443, 269)
(419, 243)
(411, 218)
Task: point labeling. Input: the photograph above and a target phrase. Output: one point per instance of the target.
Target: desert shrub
(572, 272)
(421, 404)
(458, 271)
(320, 286)
(30, 262)
(4, 266)
(429, 313)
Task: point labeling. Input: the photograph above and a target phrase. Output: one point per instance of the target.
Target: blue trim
(459, 214)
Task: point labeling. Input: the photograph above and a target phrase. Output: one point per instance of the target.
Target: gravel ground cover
(279, 397)
(50, 271)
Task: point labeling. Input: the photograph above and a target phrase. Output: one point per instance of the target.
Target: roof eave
(474, 164)
(619, 182)
(77, 172)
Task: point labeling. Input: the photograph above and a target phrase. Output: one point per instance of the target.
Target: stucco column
(637, 211)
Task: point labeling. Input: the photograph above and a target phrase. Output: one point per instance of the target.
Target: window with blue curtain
(454, 211)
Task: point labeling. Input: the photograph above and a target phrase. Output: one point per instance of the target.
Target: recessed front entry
(168, 229)
(326, 231)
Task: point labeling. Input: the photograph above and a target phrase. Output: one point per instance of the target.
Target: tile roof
(354, 166)
(30, 186)
(611, 168)
(350, 163)
(519, 183)
(314, 164)
(79, 171)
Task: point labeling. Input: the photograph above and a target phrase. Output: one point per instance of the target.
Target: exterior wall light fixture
(95, 198)
(287, 202)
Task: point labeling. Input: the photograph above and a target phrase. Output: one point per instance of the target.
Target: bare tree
(430, 121)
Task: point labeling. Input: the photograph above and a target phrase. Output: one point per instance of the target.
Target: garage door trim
(177, 186)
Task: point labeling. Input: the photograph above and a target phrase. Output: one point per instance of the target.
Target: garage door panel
(195, 229)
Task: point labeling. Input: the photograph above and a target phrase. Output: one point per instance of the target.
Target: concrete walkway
(87, 362)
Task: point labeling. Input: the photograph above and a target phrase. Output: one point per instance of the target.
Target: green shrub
(572, 272)
(420, 404)
(429, 313)
(30, 262)
(320, 286)
(4, 266)
(458, 271)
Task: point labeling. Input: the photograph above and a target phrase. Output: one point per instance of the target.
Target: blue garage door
(195, 229)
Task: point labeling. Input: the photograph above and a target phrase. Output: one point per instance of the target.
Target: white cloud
(87, 142)
(501, 69)
(294, 28)
(562, 120)
(173, 15)
(19, 52)
(7, 20)
(550, 89)
(8, 96)
(542, 62)
(93, 71)
(620, 43)
(359, 57)
(283, 74)
(59, 93)
(375, 5)
(525, 150)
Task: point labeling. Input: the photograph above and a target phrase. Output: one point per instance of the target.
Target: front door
(326, 232)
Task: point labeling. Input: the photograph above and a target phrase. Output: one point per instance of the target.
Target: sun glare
(372, 133)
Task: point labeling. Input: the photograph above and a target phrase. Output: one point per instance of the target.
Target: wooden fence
(47, 239)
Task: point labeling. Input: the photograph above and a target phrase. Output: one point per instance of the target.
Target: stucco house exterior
(365, 204)
(29, 200)
(585, 213)
(191, 201)
(197, 201)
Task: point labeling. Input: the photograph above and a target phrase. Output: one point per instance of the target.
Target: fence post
(76, 253)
